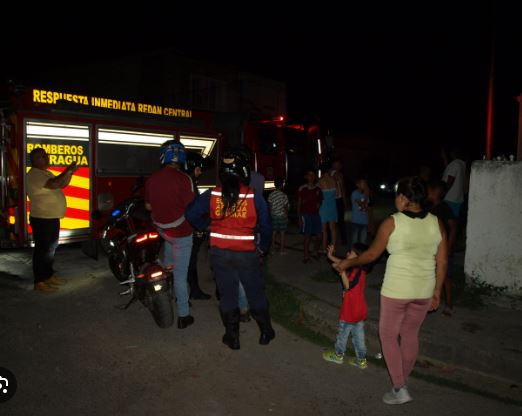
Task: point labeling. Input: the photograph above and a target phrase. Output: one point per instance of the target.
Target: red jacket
(169, 192)
(234, 229)
(354, 307)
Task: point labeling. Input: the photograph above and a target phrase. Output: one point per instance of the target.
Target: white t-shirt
(457, 169)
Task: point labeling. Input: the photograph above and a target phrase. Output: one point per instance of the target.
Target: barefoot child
(354, 311)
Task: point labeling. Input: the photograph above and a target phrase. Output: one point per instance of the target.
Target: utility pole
(491, 91)
(519, 147)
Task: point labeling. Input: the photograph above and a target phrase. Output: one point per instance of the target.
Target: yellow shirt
(45, 202)
(410, 270)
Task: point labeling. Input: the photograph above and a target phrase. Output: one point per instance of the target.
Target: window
(65, 144)
(127, 152)
(268, 140)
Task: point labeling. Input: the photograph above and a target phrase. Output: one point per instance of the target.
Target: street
(76, 352)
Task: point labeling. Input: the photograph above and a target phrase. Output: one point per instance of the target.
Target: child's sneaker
(362, 363)
(333, 357)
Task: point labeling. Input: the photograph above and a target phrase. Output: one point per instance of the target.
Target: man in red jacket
(167, 193)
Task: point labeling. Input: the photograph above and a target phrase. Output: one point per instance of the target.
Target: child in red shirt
(354, 311)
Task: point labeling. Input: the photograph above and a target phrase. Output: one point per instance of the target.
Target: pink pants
(401, 318)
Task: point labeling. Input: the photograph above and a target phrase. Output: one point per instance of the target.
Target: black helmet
(244, 152)
(194, 160)
(233, 163)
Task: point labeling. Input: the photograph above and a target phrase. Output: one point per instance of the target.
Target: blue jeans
(176, 253)
(357, 331)
(359, 233)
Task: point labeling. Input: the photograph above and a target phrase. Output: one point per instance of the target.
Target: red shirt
(169, 191)
(354, 307)
(311, 199)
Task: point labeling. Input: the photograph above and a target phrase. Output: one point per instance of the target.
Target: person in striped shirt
(279, 205)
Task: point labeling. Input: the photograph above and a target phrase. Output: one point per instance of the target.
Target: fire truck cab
(284, 151)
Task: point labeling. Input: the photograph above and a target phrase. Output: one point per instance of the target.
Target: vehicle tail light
(142, 238)
(154, 272)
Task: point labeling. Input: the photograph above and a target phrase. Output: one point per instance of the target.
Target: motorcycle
(132, 246)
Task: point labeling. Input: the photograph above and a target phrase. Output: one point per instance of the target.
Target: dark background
(403, 74)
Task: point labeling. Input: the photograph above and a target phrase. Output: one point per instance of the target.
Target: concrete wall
(494, 231)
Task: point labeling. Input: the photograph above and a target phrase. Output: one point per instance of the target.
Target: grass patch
(472, 295)
(286, 310)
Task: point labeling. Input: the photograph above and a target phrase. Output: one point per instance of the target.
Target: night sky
(405, 74)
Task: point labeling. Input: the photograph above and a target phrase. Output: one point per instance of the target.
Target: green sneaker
(333, 357)
(361, 363)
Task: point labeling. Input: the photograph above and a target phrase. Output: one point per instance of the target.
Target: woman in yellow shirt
(413, 280)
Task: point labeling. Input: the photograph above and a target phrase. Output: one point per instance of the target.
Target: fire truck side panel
(111, 155)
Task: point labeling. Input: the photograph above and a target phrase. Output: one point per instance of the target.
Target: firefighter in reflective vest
(235, 214)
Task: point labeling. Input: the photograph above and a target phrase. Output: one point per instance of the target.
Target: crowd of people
(242, 226)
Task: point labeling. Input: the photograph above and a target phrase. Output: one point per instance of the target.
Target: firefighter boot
(262, 318)
(231, 322)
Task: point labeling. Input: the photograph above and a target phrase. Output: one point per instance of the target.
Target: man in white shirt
(455, 176)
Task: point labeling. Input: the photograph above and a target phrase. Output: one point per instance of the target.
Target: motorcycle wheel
(162, 309)
(118, 267)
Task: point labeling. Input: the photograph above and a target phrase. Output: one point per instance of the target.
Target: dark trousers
(192, 274)
(45, 236)
(341, 224)
(232, 267)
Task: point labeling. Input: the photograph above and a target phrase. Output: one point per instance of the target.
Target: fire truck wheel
(162, 309)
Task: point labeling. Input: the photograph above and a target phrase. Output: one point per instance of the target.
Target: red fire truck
(114, 142)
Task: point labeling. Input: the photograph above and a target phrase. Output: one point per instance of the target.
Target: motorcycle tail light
(154, 273)
(153, 236)
(141, 238)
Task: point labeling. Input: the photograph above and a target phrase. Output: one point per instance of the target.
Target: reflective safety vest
(234, 229)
